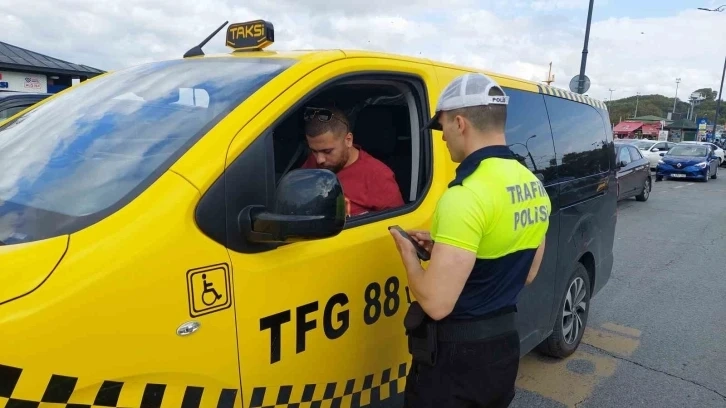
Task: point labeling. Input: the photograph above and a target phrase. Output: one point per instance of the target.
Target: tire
(715, 173)
(562, 343)
(658, 178)
(643, 196)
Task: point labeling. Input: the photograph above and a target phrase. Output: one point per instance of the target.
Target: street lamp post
(526, 143)
(581, 78)
(637, 97)
(719, 8)
(718, 101)
(675, 99)
(720, 89)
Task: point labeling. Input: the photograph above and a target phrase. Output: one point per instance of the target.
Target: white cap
(465, 91)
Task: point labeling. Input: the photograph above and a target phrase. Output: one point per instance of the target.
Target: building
(27, 71)
(641, 127)
(631, 129)
(651, 119)
(682, 130)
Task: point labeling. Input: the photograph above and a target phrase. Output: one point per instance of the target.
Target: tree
(659, 105)
(707, 93)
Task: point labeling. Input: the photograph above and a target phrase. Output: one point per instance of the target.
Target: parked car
(718, 151)
(633, 172)
(688, 160)
(651, 150)
(14, 102)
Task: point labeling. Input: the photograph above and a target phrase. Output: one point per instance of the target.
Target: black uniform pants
(473, 374)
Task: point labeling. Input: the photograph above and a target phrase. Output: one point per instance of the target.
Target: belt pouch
(421, 332)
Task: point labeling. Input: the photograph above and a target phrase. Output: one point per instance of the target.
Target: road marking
(689, 184)
(628, 331)
(552, 379)
(614, 343)
(678, 187)
(573, 379)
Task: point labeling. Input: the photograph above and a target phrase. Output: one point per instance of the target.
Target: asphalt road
(656, 333)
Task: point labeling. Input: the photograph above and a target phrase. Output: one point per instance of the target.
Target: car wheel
(715, 173)
(571, 318)
(643, 196)
(658, 178)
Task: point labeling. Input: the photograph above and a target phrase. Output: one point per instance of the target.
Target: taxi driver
(368, 184)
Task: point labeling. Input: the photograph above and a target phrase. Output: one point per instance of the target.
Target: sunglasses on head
(322, 114)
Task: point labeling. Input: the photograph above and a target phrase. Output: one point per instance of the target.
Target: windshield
(81, 155)
(693, 150)
(643, 145)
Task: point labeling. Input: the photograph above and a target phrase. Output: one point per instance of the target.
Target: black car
(14, 102)
(633, 172)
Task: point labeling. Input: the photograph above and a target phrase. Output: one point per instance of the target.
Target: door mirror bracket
(309, 204)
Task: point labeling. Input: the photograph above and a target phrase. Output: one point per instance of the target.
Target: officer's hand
(423, 238)
(404, 246)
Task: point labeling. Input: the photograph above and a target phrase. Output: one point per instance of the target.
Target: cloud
(517, 38)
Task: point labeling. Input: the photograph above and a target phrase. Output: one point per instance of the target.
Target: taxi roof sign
(250, 35)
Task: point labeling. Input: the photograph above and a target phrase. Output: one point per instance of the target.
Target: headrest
(375, 130)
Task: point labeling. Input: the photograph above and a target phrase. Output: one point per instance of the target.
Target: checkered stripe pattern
(60, 389)
(561, 93)
(352, 393)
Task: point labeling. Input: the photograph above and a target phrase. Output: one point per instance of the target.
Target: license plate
(678, 175)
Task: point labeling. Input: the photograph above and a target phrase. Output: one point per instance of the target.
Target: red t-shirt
(368, 184)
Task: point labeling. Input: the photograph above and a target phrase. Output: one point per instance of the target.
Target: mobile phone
(422, 253)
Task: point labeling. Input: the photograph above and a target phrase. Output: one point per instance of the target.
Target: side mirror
(662, 154)
(309, 204)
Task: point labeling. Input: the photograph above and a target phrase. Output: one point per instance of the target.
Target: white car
(716, 150)
(651, 149)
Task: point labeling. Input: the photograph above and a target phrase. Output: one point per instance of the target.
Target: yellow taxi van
(161, 247)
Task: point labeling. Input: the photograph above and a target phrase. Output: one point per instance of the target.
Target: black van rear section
(566, 140)
(588, 189)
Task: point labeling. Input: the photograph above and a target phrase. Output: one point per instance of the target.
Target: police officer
(486, 243)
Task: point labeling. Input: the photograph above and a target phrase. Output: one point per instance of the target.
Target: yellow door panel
(103, 328)
(31, 265)
(323, 320)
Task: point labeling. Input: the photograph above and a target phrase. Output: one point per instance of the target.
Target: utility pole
(637, 97)
(678, 81)
(581, 78)
(720, 90)
(718, 101)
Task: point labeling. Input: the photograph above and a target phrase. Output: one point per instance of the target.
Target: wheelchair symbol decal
(208, 289)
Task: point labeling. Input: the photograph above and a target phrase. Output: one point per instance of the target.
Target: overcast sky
(635, 45)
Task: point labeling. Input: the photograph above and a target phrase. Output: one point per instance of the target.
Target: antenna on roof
(197, 49)
(550, 77)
